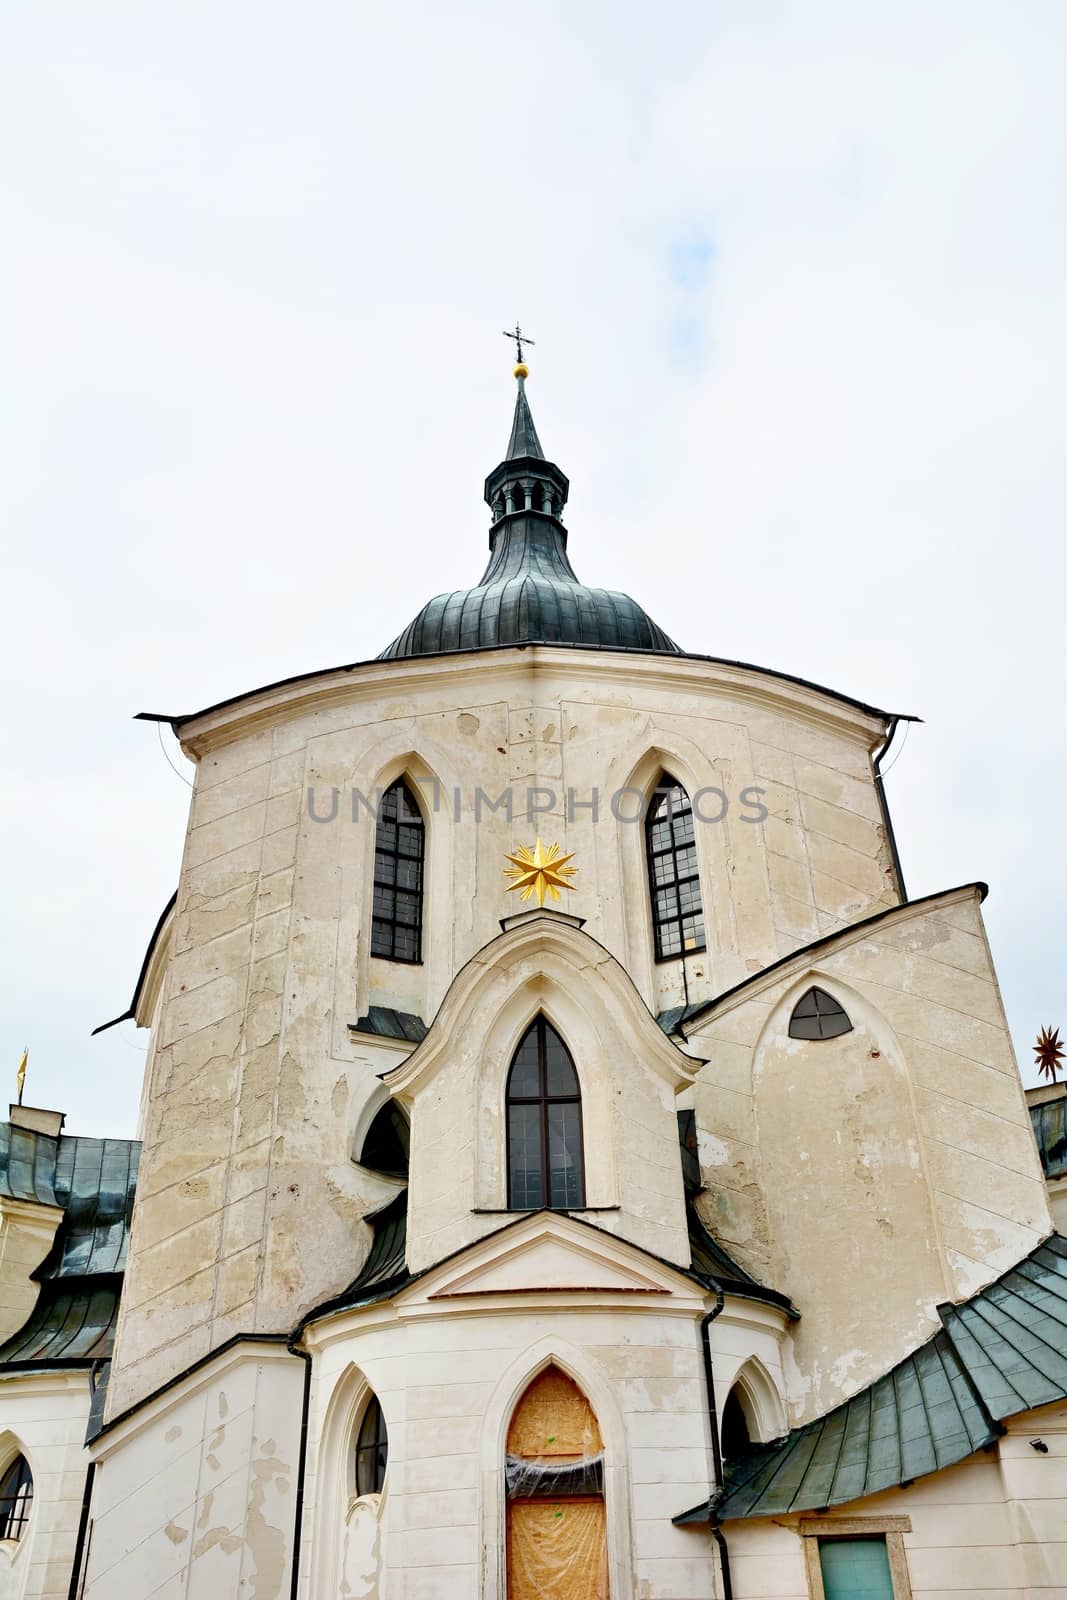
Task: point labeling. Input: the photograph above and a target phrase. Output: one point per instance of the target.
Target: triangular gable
(552, 1254)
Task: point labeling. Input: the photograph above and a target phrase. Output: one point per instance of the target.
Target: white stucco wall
(248, 1204)
(43, 1417)
(195, 1493)
(872, 1175)
(448, 1372)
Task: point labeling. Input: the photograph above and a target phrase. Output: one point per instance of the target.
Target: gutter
(718, 1488)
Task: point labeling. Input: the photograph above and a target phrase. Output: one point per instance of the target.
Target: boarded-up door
(557, 1550)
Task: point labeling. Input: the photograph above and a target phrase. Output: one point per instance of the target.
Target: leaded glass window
(817, 1015)
(372, 1450)
(545, 1162)
(673, 878)
(16, 1498)
(399, 852)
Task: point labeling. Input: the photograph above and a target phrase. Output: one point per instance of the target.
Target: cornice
(36, 1212)
(784, 970)
(544, 931)
(209, 1369)
(204, 730)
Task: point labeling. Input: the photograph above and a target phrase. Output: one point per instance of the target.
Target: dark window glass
(372, 1450)
(16, 1498)
(817, 1015)
(399, 852)
(674, 883)
(545, 1164)
(385, 1149)
(734, 1431)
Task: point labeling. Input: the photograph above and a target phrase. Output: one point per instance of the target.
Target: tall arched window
(399, 851)
(545, 1165)
(372, 1449)
(673, 878)
(16, 1498)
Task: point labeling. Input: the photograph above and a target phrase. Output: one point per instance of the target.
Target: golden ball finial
(520, 370)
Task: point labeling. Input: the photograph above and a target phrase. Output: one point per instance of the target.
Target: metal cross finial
(519, 338)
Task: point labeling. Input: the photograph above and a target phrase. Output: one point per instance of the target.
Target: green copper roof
(1049, 1119)
(529, 593)
(92, 1181)
(1002, 1352)
(388, 1023)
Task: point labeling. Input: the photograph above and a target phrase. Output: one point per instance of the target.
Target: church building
(569, 1166)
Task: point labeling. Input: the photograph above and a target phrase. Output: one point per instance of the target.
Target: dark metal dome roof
(529, 592)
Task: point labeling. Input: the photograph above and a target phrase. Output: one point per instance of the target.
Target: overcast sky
(796, 276)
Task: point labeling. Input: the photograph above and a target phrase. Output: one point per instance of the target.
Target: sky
(795, 274)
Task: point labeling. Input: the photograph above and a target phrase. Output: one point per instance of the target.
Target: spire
(524, 440)
(529, 592)
(525, 481)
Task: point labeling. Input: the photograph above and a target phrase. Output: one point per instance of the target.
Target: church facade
(666, 1223)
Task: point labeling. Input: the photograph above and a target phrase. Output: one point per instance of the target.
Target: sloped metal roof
(1002, 1352)
(1049, 1120)
(529, 593)
(93, 1181)
(390, 1024)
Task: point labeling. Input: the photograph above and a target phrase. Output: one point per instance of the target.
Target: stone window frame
(661, 807)
(892, 1529)
(387, 927)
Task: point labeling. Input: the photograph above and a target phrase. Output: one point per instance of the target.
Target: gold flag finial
(539, 871)
(20, 1075)
(1049, 1053)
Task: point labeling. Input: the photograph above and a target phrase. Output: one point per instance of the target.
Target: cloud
(795, 276)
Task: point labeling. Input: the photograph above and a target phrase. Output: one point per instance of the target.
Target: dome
(529, 593)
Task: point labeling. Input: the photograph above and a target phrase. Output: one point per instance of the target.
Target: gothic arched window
(372, 1449)
(16, 1498)
(673, 878)
(399, 851)
(817, 1015)
(387, 1144)
(734, 1432)
(545, 1165)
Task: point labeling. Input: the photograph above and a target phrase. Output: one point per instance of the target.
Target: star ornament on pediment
(541, 871)
(1049, 1053)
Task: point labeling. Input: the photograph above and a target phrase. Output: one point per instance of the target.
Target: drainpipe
(298, 1514)
(879, 785)
(80, 1553)
(715, 1497)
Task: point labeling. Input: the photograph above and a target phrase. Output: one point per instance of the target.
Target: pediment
(552, 1255)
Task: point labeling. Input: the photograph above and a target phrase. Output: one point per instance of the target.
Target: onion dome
(529, 592)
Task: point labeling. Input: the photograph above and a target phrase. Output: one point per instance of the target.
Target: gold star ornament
(541, 871)
(1049, 1053)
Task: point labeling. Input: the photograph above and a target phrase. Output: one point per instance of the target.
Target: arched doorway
(557, 1528)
